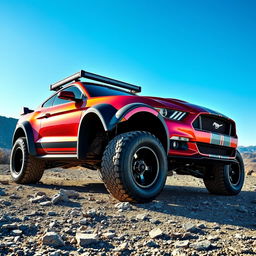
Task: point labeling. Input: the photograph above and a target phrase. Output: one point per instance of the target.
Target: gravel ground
(71, 213)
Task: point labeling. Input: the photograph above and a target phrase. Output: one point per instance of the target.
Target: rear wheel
(134, 167)
(226, 179)
(25, 168)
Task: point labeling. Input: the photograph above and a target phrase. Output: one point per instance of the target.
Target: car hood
(181, 105)
(120, 101)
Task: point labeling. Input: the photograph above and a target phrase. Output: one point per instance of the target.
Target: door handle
(46, 115)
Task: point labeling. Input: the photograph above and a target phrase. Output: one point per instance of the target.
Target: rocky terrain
(71, 213)
(250, 163)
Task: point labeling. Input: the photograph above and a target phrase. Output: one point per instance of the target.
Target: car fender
(110, 116)
(126, 112)
(105, 113)
(28, 131)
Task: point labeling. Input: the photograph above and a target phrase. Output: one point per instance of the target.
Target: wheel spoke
(148, 168)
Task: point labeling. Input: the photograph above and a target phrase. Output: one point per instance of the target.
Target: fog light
(178, 145)
(175, 144)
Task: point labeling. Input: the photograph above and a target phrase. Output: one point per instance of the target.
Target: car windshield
(95, 90)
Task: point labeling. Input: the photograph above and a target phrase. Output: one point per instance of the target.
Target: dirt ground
(191, 221)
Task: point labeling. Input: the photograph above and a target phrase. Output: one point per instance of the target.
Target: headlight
(172, 114)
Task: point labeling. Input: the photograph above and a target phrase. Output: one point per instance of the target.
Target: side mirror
(25, 111)
(65, 95)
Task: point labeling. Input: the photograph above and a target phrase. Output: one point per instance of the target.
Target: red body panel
(61, 126)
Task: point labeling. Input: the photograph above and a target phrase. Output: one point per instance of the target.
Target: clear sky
(199, 51)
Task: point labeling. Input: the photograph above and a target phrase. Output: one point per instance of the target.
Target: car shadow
(97, 188)
(189, 202)
(196, 203)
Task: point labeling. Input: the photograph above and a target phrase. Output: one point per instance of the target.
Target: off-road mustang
(134, 141)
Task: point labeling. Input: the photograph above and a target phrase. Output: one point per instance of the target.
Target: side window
(75, 90)
(49, 102)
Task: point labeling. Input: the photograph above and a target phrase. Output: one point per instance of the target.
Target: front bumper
(199, 144)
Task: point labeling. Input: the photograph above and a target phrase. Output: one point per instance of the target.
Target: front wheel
(226, 179)
(134, 167)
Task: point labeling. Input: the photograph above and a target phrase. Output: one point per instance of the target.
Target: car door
(60, 123)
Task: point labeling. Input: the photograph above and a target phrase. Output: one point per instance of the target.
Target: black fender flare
(110, 117)
(104, 112)
(28, 131)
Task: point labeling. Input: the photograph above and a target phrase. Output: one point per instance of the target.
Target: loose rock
(60, 197)
(46, 203)
(142, 216)
(155, 233)
(53, 239)
(124, 206)
(178, 252)
(181, 244)
(122, 247)
(86, 239)
(202, 245)
(84, 221)
(189, 227)
(38, 199)
(70, 193)
(108, 235)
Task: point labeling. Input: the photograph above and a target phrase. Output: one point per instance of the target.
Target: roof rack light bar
(56, 86)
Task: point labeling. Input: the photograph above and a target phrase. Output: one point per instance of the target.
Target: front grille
(209, 149)
(211, 123)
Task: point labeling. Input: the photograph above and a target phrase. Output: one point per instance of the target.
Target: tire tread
(110, 168)
(218, 183)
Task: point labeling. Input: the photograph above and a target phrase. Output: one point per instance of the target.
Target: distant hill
(7, 126)
(249, 157)
(250, 162)
(249, 149)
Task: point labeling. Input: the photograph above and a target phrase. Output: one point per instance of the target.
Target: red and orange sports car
(134, 141)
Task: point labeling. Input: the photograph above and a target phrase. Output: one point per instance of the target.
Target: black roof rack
(56, 86)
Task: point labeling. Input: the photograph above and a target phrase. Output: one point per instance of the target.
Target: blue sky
(199, 51)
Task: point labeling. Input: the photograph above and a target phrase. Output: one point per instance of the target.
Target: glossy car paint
(55, 129)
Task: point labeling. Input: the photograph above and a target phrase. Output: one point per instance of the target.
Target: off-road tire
(117, 169)
(219, 181)
(28, 169)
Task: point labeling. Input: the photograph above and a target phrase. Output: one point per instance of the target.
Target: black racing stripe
(65, 144)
